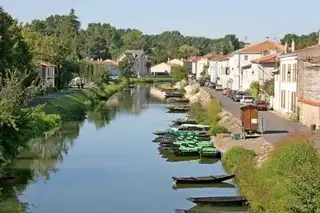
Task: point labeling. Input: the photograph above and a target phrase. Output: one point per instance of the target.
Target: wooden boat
(202, 179)
(206, 211)
(178, 100)
(211, 185)
(220, 201)
(173, 95)
(180, 153)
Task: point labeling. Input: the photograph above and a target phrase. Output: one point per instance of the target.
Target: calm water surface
(108, 163)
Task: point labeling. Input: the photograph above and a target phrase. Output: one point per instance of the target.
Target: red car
(261, 105)
(229, 93)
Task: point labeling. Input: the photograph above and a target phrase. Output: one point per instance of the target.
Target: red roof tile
(266, 59)
(194, 59)
(261, 47)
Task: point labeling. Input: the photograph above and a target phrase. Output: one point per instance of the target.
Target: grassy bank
(150, 80)
(74, 106)
(287, 182)
(208, 115)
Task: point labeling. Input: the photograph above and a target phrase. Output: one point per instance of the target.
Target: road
(274, 126)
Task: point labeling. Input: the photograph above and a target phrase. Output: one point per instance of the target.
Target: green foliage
(268, 87)
(235, 157)
(208, 115)
(186, 51)
(100, 77)
(179, 73)
(150, 80)
(287, 182)
(301, 41)
(126, 66)
(255, 89)
(74, 106)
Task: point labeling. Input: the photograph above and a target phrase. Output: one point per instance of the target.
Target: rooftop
(271, 58)
(262, 47)
(46, 64)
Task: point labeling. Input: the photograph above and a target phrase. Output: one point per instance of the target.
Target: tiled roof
(46, 64)
(174, 65)
(211, 55)
(194, 59)
(110, 62)
(271, 58)
(261, 47)
(223, 58)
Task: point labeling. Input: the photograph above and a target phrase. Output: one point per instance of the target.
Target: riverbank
(286, 182)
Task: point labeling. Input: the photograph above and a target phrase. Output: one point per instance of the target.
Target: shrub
(217, 129)
(287, 182)
(235, 157)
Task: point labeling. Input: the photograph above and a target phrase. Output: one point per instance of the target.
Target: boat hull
(220, 201)
(202, 180)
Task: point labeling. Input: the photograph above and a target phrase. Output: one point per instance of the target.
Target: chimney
(286, 47)
(319, 37)
(293, 46)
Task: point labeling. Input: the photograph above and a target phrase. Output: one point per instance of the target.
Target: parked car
(224, 91)
(261, 105)
(246, 100)
(237, 96)
(229, 93)
(219, 87)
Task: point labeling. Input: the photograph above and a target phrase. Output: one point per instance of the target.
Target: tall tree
(126, 66)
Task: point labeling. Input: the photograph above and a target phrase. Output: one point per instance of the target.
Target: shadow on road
(275, 132)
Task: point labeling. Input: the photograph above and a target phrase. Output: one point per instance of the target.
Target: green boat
(210, 152)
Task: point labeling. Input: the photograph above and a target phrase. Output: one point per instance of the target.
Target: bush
(235, 157)
(208, 115)
(217, 129)
(287, 182)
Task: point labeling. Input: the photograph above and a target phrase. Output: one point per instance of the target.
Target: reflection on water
(106, 161)
(37, 162)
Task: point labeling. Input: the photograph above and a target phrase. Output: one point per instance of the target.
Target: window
(294, 73)
(293, 101)
(283, 99)
(246, 57)
(283, 73)
(289, 73)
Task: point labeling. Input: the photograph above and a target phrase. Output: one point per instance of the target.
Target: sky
(254, 20)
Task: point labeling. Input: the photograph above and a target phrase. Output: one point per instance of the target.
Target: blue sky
(255, 20)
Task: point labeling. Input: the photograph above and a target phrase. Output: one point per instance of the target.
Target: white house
(47, 73)
(163, 69)
(260, 70)
(223, 72)
(111, 67)
(140, 67)
(244, 56)
(285, 87)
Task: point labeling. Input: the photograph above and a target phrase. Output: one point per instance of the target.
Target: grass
(74, 106)
(287, 182)
(150, 80)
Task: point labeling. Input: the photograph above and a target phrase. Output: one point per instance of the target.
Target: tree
(179, 73)
(186, 51)
(100, 77)
(268, 87)
(14, 50)
(126, 66)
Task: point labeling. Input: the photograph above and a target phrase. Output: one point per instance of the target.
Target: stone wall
(157, 93)
(202, 96)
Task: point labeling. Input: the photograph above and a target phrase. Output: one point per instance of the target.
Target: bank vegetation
(208, 114)
(287, 182)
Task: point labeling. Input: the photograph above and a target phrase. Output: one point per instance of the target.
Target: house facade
(47, 73)
(193, 63)
(202, 66)
(140, 67)
(242, 58)
(259, 70)
(223, 72)
(285, 88)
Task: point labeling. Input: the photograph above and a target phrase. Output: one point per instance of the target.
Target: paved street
(274, 126)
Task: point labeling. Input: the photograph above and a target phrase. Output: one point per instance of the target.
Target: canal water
(108, 163)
